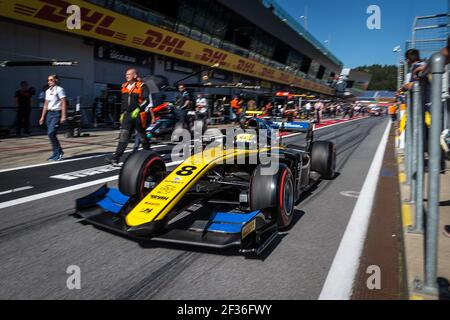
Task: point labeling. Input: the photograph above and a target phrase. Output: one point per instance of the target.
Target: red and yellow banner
(109, 26)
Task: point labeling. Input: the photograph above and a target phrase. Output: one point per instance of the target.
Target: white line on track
(52, 193)
(16, 190)
(67, 161)
(340, 279)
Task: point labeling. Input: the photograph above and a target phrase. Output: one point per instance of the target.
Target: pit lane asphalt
(39, 240)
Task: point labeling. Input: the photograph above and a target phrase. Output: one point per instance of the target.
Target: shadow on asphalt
(229, 252)
(311, 192)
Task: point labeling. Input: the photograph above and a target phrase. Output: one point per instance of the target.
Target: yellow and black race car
(230, 194)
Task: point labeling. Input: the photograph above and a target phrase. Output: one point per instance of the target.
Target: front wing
(251, 232)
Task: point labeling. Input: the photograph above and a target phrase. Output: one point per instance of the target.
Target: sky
(343, 23)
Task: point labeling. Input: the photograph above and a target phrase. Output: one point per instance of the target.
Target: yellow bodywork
(162, 200)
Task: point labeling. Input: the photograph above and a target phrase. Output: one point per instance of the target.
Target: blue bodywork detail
(226, 228)
(289, 125)
(231, 222)
(297, 125)
(113, 201)
(238, 218)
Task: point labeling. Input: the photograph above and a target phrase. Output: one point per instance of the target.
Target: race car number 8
(186, 171)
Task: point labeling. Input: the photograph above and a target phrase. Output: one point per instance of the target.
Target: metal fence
(426, 97)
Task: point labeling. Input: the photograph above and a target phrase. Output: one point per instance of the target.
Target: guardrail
(426, 217)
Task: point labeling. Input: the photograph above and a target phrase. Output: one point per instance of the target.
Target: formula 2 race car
(219, 198)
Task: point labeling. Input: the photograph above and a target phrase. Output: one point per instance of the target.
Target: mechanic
(393, 112)
(236, 106)
(23, 103)
(201, 102)
(135, 103)
(184, 103)
(145, 120)
(54, 114)
(308, 108)
(318, 107)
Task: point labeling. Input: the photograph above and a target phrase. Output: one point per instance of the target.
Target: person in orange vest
(393, 112)
(236, 108)
(135, 100)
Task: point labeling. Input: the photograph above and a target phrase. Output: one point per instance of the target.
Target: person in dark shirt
(184, 102)
(23, 104)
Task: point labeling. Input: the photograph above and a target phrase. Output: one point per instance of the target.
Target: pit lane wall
(102, 24)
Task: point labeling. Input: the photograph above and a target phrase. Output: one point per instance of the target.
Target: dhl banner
(109, 26)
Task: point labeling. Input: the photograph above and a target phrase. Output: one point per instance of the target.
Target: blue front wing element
(231, 222)
(113, 201)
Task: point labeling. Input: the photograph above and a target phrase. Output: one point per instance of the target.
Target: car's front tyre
(274, 192)
(140, 173)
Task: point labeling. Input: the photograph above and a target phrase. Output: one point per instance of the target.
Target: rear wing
(293, 126)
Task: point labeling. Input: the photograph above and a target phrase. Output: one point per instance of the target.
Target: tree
(383, 77)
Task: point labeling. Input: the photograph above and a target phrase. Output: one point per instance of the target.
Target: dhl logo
(268, 73)
(284, 77)
(297, 82)
(245, 66)
(212, 56)
(167, 43)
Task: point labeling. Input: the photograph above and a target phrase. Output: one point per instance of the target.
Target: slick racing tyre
(274, 192)
(141, 172)
(323, 159)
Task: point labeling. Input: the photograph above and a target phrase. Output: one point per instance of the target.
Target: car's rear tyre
(323, 159)
(274, 193)
(140, 173)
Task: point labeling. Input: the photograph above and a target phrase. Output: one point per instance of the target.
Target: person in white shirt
(308, 108)
(318, 106)
(201, 102)
(54, 115)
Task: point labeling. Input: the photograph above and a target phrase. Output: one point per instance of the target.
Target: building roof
(294, 24)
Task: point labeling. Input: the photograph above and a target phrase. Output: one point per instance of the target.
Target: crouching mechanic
(135, 100)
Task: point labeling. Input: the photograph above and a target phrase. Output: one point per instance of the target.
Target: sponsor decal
(159, 198)
(245, 138)
(153, 204)
(248, 228)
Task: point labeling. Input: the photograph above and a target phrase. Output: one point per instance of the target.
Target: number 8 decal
(186, 171)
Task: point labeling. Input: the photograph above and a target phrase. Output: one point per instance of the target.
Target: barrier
(426, 217)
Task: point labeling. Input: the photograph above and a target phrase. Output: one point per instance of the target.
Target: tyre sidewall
(323, 159)
(285, 214)
(132, 177)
